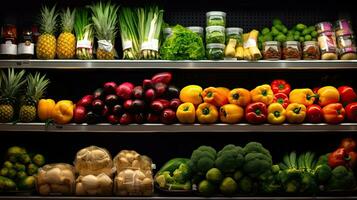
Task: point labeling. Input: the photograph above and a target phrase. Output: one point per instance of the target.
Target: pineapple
(36, 86)
(10, 86)
(46, 44)
(66, 41)
(105, 21)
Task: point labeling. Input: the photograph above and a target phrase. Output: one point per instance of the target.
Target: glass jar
(344, 41)
(349, 53)
(236, 34)
(324, 27)
(167, 32)
(343, 27)
(291, 50)
(327, 44)
(216, 18)
(26, 47)
(215, 51)
(196, 29)
(215, 34)
(271, 50)
(8, 43)
(311, 50)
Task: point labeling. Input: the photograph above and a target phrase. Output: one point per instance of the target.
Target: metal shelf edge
(166, 64)
(176, 128)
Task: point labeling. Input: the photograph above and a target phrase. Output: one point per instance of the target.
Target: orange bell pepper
(333, 113)
(231, 113)
(262, 93)
(63, 112)
(327, 95)
(303, 96)
(207, 113)
(45, 108)
(215, 96)
(239, 96)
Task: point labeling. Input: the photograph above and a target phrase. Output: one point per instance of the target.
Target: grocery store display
(19, 169)
(10, 87)
(84, 34)
(66, 41)
(105, 21)
(46, 44)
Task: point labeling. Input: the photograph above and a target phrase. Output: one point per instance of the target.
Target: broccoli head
(202, 159)
(341, 179)
(229, 158)
(256, 147)
(256, 164)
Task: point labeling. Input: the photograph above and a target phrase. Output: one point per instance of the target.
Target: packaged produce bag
(91, 185)
(131, 159)
(134, 182)
(56, 179)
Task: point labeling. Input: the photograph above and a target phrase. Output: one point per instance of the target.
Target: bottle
(26, 46)
(8, 43)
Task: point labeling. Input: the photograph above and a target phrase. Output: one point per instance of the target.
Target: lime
(265, 31)
(297, 33)
(306, 31)
(277, 21)
(311, 28)
(285, 30)
(301, 39)
(268, 37)
(290, 32)
(260, 38)
(275, 32)
(281, 38)
(314, 34)
(296, 37)
(300, 27)
(279, 27)
(290, 38)
(308, 37)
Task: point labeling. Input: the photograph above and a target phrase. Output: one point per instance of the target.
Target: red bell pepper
(348, 144)
(314, 113)
(342, 157)
(347, 94)
(281, 98)
(333, 113)
(256, 113)
(351, 112)
(280, 86)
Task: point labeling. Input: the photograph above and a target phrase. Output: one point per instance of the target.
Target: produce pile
(157, 100)
(19, 170)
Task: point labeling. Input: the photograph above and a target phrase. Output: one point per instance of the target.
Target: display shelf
(171, 198)
(175, 128)
(164, 64)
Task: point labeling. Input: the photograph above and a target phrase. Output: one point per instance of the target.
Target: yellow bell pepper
(192, 94)
(296, 113)
(262, 93)
(231, 113)
(207, 113)
(276, 113)
(63, 112)
(45, 108)
(215, 96)
(186, 113)
(239, 96)
(303, 96)
(328, 95)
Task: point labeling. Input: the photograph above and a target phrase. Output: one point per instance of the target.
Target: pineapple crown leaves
(67, 19)
(48, 20)
(83, 26)
(11, 83)
(105, 20)
(36, 85)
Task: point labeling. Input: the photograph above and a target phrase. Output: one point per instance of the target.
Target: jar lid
(324, 26)
(216, 13)
(277, 43)
(195, 29)
(215, 28)
(348, 50)
(234, 30)
(215, 46)
(310, 43)
(291, 43)
(167, 30)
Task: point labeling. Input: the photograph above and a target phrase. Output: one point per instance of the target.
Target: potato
(53, 176)
(67, 176)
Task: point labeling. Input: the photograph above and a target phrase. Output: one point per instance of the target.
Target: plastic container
(93, 161)
(291, 50)
(56, 179)
(345, 41)
(343, 27)
(134, 182)
(8, 42)
(215, 34)
(216, 18)
(167, 32)
(131, 159)
(215, 51)
(90, 185)
(271, 50)
(26, 46)
(327, 44)
(324, 27)
(234, 33)
(311, 50)
(196, 29)
(349, 53)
